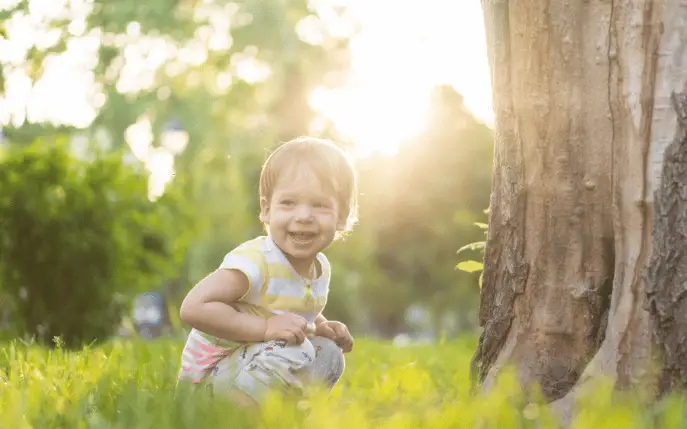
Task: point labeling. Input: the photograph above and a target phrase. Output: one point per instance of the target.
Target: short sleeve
(322, 284)
(326, 268)
(251, 262)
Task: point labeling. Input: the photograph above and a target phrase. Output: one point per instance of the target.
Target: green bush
(78, 239)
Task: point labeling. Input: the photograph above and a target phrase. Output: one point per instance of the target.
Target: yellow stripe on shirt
(293, 304)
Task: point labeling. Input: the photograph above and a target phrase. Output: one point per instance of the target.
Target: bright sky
(404, 48)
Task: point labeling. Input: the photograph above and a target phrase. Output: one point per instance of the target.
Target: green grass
(129, 384)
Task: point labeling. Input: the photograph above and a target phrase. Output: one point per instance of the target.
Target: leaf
(472, 246)
(470, 266)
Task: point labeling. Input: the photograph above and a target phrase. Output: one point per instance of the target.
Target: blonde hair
(332, 167)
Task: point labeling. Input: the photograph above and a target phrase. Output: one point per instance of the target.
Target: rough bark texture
(661, 49)
(581, 92)
(549, 256)
(667, 271)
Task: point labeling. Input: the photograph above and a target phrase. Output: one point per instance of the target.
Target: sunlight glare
(245, 65)
(139, 137)
(401, 51)
(160, 164)
(365, 116)
(66, 92)
(396, 61)
(67, 76)
(157, 160)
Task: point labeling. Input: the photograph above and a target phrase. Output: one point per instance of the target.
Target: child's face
(303, 216)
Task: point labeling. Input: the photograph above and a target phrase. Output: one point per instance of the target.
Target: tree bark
(667, 270)
(582, 117)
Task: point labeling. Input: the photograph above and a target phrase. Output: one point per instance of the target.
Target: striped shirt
(274, 287)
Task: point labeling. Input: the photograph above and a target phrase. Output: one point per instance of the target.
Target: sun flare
(396, 60)
(364, 115)
(400, 52)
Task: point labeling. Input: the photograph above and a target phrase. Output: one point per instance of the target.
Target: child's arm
(322, 329)
(207, 308)
(320, 319)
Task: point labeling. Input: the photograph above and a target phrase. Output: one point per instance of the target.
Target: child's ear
(264, 210)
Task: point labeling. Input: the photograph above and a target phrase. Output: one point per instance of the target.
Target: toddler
(257, 322)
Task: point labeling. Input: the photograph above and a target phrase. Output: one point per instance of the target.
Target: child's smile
(302, 215)
(302, 238)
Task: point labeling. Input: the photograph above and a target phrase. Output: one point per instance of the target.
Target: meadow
(131, 384)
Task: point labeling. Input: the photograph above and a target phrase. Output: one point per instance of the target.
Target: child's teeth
(299, 236)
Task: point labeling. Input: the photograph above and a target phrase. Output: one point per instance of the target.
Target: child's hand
(324, 330)
(337, 332)
(289, 327)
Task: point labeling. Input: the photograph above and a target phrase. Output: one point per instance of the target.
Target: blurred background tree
(195, 93)
(77, 237)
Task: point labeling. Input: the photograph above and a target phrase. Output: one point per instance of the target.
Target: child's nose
(304, 212)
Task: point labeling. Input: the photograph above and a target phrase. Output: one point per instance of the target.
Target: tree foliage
(412, 221)
(77, 238)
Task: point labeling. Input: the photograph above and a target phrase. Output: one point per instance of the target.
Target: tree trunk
(667, 269)
(583, 115)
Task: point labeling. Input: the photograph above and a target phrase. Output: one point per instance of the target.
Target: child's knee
(276, 365)
(327, 349)
(329, 362)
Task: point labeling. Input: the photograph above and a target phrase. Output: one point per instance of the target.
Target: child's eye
(287, 202)
(320, 205)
